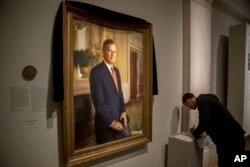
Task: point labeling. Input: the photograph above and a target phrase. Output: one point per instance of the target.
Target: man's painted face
(191, 103)
(109, 53)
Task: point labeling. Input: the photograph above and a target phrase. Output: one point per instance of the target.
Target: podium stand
(183, 151)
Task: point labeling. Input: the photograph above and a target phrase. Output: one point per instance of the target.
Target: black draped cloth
(57, 53)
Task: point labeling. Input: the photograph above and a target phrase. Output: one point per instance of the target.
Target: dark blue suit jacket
(108, 103)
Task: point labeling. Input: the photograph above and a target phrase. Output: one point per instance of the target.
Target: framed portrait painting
(85, 30)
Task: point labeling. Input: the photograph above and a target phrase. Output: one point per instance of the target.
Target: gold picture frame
(85, 27)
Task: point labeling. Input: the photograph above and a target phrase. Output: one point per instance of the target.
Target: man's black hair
(187, 96)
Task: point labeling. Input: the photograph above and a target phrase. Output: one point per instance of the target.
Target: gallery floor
(213, 159)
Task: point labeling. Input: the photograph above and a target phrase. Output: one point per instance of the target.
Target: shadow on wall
(175, 121)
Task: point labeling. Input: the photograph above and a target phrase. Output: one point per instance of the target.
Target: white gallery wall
(31, 138)
(197, 53)
(28, 137)
(221, 21)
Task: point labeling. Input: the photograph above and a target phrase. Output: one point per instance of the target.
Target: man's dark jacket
(216, 120)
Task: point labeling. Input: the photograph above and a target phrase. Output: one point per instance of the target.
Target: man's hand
(124, 116)
(191, 130)
(116, 126)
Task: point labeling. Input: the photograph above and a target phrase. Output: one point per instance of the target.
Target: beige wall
(26, 35)
(222, 19)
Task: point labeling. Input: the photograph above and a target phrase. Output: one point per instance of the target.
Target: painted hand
(116, 126)
(124, 117)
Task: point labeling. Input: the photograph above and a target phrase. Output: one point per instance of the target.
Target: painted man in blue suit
(108, 99)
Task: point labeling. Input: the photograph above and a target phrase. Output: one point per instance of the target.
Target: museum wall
(33, 137)
(222, 19)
